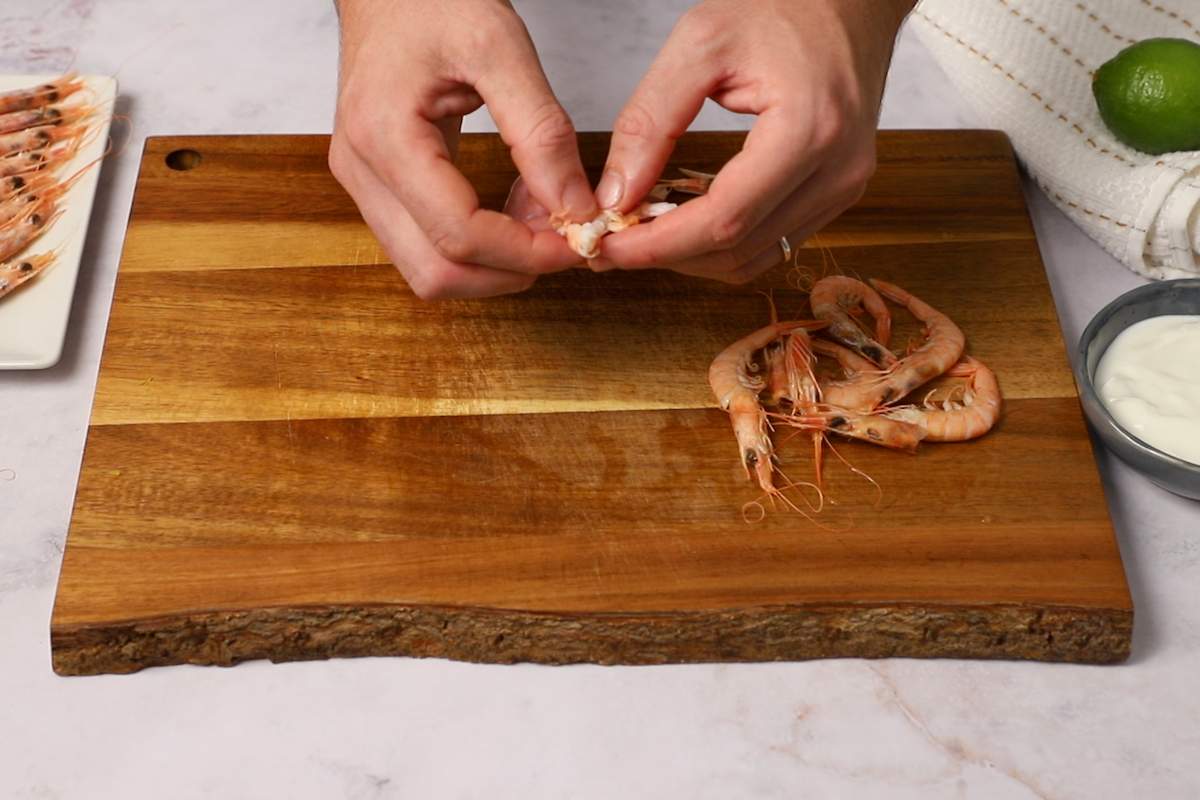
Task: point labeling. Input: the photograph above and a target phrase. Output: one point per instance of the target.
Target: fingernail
(579, 201)
(535, 211)
(612, 186)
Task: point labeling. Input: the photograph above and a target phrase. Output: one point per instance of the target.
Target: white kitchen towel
(1026, 67)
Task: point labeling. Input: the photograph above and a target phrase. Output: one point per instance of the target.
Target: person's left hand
(813, 72)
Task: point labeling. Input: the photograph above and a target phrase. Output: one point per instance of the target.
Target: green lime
(1149, 95)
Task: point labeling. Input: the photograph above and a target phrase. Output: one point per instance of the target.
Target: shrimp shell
(943, 346)
(885, 431)
(959, 421)
(834, 298)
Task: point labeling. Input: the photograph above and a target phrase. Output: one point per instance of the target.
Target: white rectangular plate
(33, 319)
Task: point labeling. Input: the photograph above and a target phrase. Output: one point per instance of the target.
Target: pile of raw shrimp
(42, 129)
(769, 380)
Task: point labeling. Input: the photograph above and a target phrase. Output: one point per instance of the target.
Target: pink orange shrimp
(777, 387)
(16, 273)
(18, 234)
(29, 118)
(944, 343)
(733, 376)
(881, 430)
(857, 390)
(14, 205)
(12, 184)
(44, 137)
(837, 297)
(20, 193)
(958, 421)
(22, 163)
(852, 363)
(45, 115)
(34, 97)
(790, 376)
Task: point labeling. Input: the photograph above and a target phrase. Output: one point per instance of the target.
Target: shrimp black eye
(837, 422)
(26, 267)
(872, 352)
(43, 136)
(53, 113)
(18, 182)
(751, 458)
(36, 220)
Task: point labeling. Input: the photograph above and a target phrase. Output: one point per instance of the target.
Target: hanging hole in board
(183, 160)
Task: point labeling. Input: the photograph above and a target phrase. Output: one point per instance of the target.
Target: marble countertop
(380, 728)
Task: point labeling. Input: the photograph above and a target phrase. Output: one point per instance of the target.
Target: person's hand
(409, 71)
(812, 71)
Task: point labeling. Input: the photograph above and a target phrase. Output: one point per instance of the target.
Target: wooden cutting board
(292, 457)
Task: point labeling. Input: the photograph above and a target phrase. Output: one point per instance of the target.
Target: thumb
(662, 107)
(522, 207)
(537, 130)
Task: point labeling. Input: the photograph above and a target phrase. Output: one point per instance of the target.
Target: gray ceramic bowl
(1152, 300)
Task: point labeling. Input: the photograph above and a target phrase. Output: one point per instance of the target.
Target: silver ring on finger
(786, 247)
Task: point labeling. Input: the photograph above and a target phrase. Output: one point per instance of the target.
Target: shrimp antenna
(771, 305)
(862, 474)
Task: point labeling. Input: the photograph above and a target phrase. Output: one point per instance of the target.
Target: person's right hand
(409, 72)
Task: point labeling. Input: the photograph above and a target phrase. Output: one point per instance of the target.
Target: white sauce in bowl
(1149, 380)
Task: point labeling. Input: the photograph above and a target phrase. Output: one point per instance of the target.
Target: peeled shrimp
(52, 92)
(957, 421)
(16, 273)
(584, 237)
(835, 298)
